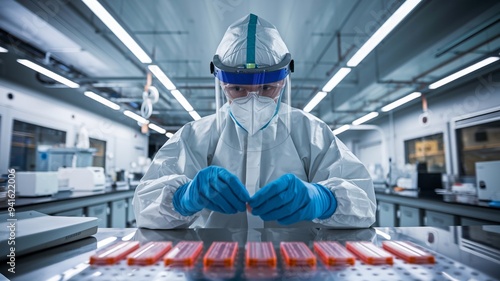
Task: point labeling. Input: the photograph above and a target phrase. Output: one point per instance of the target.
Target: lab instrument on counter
(83, 179)
(488, 180)
(33, 184)
(35, 231)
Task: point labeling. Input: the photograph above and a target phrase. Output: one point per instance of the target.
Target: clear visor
(275, 132)
(236, 91)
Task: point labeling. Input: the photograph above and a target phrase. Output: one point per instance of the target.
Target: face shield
(253, 102)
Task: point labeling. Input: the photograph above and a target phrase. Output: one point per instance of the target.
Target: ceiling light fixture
(182, 100)
(102, 100)
(169, 135)
(401, 101)
(335, 80)
(315, 100)
(341, 129)
(117, 29)
(48, 73)
(3, 50)
(160, 75)
(157, 128)
(365, 118)
(136, 117)
(195, 115)
(382, 32)
(463, 72)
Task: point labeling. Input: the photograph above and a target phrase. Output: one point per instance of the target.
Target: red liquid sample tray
(297, 254)
(221, 254)
(332, 253)
(408, 252)
(114, 253)
(369, 253)
(260, 254)
(184, 253)
(149, 254)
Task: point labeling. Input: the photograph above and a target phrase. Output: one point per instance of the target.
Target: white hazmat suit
(292, 142)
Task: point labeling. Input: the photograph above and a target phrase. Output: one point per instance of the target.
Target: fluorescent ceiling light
(160, 75)
(401, 101)
(3, 50)
(48, 73)
(169, 134)
(315, 100)
(102, 100)
(365, 118)
(136, 117)
(157, 128)
(117, 29)
(335, 80)
(383, 31)
(195, 115)
(463, 72)
(341, 129)
(182, 100)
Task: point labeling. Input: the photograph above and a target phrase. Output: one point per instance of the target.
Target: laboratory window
(477, 143)
(99, 157)
(27, 139)
(427, 150)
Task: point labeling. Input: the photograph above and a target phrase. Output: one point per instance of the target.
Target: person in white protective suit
(257, 162)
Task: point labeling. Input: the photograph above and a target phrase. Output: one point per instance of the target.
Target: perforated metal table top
(455, 258)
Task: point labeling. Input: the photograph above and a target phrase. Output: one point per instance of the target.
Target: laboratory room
(249, 140)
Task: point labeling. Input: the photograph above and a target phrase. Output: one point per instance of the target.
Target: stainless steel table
(462, 253)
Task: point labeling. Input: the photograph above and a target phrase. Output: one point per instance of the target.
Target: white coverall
(311, 152)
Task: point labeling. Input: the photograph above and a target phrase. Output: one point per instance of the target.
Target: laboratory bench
(113, 207)
(460, 253)
(408, 209)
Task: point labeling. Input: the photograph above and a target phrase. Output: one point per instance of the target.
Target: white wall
(124, 144)
(479, 94)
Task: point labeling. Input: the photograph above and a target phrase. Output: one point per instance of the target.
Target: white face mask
(253, 113)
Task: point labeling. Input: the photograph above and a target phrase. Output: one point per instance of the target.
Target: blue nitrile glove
(289, 200)
(213, 188)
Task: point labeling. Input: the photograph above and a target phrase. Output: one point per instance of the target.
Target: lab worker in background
(257, 162)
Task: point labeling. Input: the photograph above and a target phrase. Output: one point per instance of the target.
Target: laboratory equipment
(33, 184)
(53, 158)
(86, 179)
(488, 180)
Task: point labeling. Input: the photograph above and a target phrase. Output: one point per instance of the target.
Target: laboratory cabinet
(118, 216)
(100, 212)
(387, 214)
(112, 207)
(396, 210)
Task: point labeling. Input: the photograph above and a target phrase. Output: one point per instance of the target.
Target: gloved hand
(289, 200)
(213, 188)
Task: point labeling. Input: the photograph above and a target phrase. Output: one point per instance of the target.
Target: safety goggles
(235, 91)
(251, 74)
